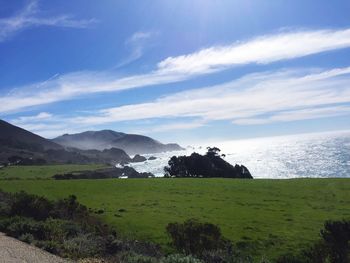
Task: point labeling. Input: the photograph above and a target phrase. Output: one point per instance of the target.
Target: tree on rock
(209, 165)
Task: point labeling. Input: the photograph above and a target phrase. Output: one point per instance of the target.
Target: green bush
(27, 205)
(85, 245)
(50, 246)
(177, 258)
(27, 237)
(131, 257)
(64, 227)
(336, 235)
(193, 237)
(17, 226)
(333, 248)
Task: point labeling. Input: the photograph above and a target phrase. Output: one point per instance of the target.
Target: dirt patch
(15, 251)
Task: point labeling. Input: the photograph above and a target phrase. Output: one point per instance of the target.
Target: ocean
(316, 155)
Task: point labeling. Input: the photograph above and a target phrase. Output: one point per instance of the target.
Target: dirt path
(15, 251)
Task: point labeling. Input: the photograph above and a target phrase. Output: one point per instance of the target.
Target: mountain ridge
(20, 146)
(14, 136)
(105, 139)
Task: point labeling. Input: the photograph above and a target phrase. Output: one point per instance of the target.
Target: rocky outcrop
(138, 159)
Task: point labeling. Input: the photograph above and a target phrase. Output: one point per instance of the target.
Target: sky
(184, 71)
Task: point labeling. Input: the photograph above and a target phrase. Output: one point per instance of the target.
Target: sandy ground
(15, 251)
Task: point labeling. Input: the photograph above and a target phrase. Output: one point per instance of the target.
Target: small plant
(136, 258)
(28, 238)
(193, 237)
(177, 258)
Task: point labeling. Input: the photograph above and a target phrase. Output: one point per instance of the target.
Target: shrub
(70, 209)
(290, 258)
(317, 253)
(333, 248)
(193, 237)
(336, 235)
(132, 257)
(28, 238)
(4, 208)
(50, 246)
(60, 230)
(85, 245)
(177, 258)
(27, 205)
(17, 226)
(114, 245)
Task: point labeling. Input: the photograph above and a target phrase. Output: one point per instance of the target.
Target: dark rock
(18, 160)
(105, 173)
(138, 159)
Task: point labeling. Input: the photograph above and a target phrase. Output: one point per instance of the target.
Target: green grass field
(43, 171)
(269, 216)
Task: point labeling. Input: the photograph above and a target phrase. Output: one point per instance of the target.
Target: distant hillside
(20, 146)
(106, 139)
(15, 137)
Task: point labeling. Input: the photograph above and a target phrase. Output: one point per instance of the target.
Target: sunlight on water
(308, 155)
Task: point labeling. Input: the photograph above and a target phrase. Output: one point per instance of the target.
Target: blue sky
(184, 71)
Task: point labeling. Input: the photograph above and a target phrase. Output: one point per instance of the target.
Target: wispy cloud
(285, 95)
(296, 115)
(46, 124)
(136, 45)
(30, 16)
(39, 117)
(261, 98)
(261, 50)
(264, 49)
(174, 126)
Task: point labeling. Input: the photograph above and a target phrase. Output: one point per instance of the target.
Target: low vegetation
(333, 247)
(69, 229)
(193, 237)
(266, 218)
(63, 227)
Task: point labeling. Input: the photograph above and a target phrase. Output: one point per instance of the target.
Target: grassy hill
(268, 217)
(43, 171)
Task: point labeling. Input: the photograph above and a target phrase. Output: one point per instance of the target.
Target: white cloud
(174, 126)
(75, 85)
(136, 45)
(46, 124)
(295, 115)
(264, 49)
(39, 117)
(261, 98)
(137, 36)
(30, 17)
(244, 100)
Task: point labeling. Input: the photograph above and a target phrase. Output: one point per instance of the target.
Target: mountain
(14, 137)
(19, 146)
(106, 139)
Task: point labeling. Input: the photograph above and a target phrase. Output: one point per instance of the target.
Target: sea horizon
(305, 155)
